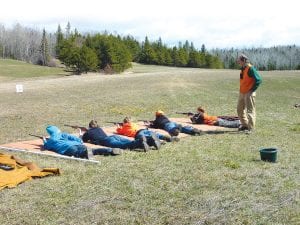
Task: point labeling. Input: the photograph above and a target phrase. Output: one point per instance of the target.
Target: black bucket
(268, 154)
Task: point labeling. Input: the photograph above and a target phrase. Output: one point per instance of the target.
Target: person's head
(127, 119)
(159, 113)
(200, 109)
(242, 59)
(53, 131)
(93, 124)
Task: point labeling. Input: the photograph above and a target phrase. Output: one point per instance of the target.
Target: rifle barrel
(185, 113)
(75, 126)
(33, 135)
(114, 122)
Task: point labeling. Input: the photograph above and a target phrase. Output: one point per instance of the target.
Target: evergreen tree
(88, 60)
(183, 57)
(118, 55)
(186, 46)
(59, 39)
(68, 30)
(133, 46)
(203, 49)
(158, 49)
(196, 59)
(175, 57)
(79, 58)
(148, 55)
(167, 54)
(44, 49)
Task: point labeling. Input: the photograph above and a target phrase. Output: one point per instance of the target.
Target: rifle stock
(76, 127)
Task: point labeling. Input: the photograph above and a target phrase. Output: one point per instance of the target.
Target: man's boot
(116, 151)
(175, 139)
(196, 132)
(155, 141)
(145, 144)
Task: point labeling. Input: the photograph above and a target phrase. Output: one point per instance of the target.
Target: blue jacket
(60, 142)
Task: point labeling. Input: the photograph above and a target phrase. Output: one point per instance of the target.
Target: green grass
(14, 69)
(211, 179)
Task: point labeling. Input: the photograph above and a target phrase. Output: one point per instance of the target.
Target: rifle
(33, 135)
(185, 113)
(231, 118)
(76, 127)
(115, 123)
(146, 121)
(220, 132)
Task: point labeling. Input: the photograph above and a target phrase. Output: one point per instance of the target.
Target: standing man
(249, 82)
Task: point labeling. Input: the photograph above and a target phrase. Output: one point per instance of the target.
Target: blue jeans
(148, 133)
(116, 141)
(228, 123)
(78, 151)
(188, 130)
(170, 127)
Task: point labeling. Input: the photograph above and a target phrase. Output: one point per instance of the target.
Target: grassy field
(210, 179)
(13, 69)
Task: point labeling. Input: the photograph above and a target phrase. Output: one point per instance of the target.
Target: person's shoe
(117, 151)
(89, 154)
(175, 139)
(156, 141)
(174, 132)
(242, 128)
(167, 139)
(248, 131)
(163, 142)
(144, 144)
(196, 132)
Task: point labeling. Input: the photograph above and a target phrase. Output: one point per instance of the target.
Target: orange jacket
(210, 120)
(128, 129)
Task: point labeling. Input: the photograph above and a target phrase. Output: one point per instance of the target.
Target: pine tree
(88, 60)
(59, 39)
(148, 55)
(68, 30)
(203, 49)
(44, 49)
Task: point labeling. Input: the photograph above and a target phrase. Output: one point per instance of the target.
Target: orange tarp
(14, 171)
(37, 144)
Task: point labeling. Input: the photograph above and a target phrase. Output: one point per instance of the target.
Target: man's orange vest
(246, 82)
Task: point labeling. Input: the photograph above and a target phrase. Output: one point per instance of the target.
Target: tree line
(113, 54)
(92, 52)
(273, 58)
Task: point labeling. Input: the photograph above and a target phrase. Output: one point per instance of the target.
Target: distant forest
(274, 58)
(112, 53)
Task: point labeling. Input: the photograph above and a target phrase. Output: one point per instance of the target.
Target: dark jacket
(160, 122)
(94, 135)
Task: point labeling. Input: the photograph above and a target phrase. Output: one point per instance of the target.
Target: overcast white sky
(215, 23)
